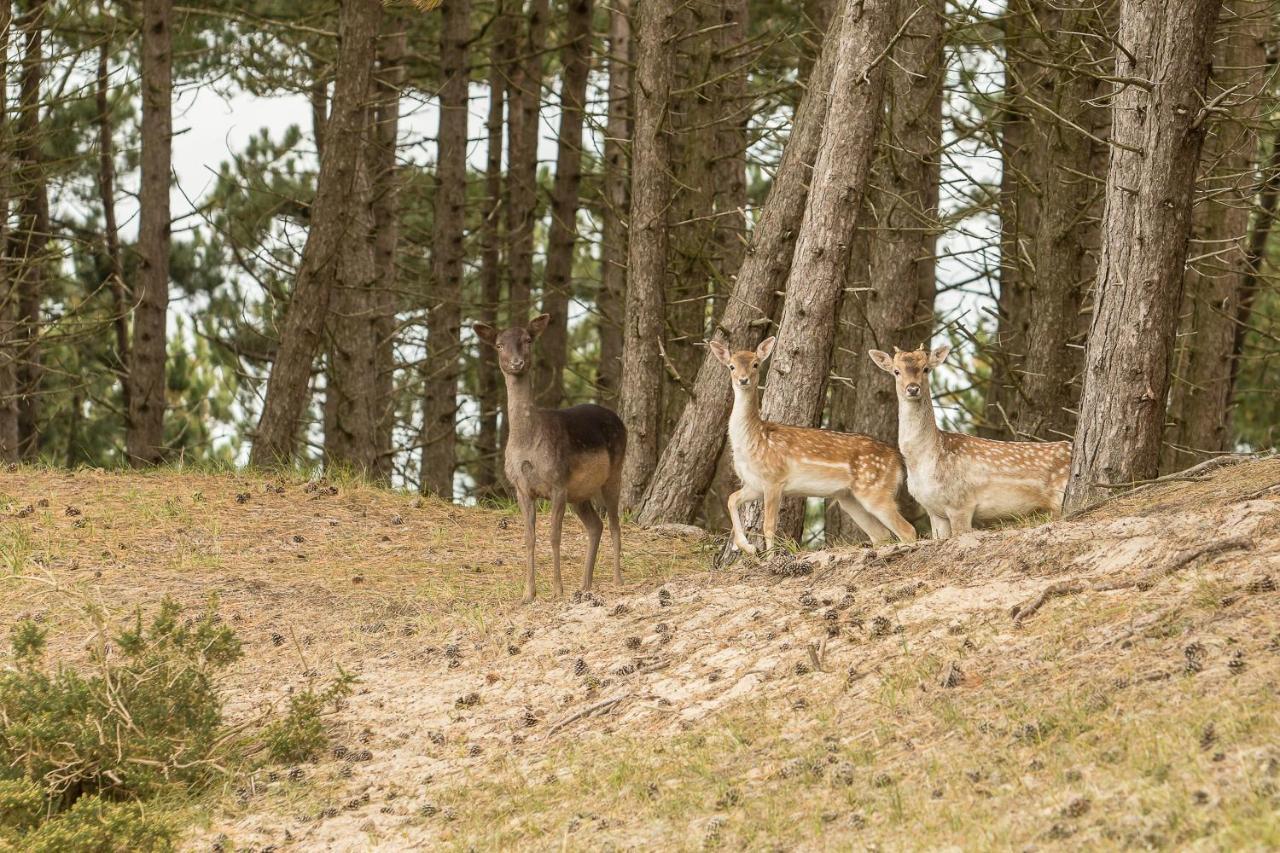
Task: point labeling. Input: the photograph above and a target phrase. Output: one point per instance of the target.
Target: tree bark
(444, 325)
(147, 357)
(1064, 245)
(487, 448)
(642, 374)
(341, 174)
(28, 243)
(688, 462)
(1157, 137)
(797, 387)
(386, 235)
(1200, 407)
(523, 110)
(9, 444)
(553, 345)
(613, 249)
(114, 265)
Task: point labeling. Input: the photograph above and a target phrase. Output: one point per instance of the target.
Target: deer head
(911, 369)
(514, 345)
(744, 366)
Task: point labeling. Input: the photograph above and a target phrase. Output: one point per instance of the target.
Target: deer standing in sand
(863, 475)
(567, 456)
(959, 478)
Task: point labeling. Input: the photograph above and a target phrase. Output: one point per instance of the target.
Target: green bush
(299, 735)
(79, 750)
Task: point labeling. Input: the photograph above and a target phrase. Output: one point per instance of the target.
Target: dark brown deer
(567, 456)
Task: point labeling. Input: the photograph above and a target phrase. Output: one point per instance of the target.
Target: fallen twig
(598, 708)
(1195, 472)
(1190, 555)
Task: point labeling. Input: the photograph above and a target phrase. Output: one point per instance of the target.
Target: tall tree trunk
(110, 230)
(688, 462)
(444, 325)
(890, 300)
(487, 452)
(575, 59)
(1021, 174)
(341, 173)
(642, 375)
(28, 242)
(797, 387)
(1200, 407)
(1259, 233)
(523, 129)
(613, 249)
(1157, 133)
(1062, 248)
(9, 450)
(386, 234)
(147, 357)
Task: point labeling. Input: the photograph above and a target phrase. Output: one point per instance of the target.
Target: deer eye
(926, 370)
(755, 365)
(897, 372)
(499, 346)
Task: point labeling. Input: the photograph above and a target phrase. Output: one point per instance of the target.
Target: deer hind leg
(557, 524)
(746, 493)
(530, 509)
(591, 521)
(885, 509)
(869, 523)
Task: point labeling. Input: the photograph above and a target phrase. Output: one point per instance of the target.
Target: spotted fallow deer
(863, 475)
(567, 456)
(959, 478)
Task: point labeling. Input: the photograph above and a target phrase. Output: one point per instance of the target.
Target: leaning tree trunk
(797, 387)
(8, 293)
(386, 235)
(332, 229)
(440, 399)
(487, 452)
(688, 463)
(28, 242)
(1157, 134)
(1063, 248)
(890, 300)
(562, 239)
(1259, 234)
(613, 237)
(642, 376)
(144, 438)
(524, 106)
(1200, 407)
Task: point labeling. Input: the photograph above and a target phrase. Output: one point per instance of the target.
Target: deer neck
(744, 421)
(520, 407)
(918, 433)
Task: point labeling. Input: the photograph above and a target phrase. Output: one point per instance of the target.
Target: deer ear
(883, 360)
(485, 332)
(539, 324)
(766, 347)
(939, 355)
(721, 352)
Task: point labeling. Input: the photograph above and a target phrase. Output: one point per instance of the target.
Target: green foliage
(79, 749)
(300, 734)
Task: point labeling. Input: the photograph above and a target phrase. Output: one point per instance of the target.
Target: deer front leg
(960, 519)
(739, 537)
(557, 523)
(772, 499)
(530, 509)
(941, 527)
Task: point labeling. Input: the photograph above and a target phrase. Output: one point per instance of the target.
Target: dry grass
(1083, 726)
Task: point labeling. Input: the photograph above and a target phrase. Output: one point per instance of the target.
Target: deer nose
(517, 364)
(746, 380)
(913, 390)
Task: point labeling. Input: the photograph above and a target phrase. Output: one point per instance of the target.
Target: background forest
(1078, 195)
